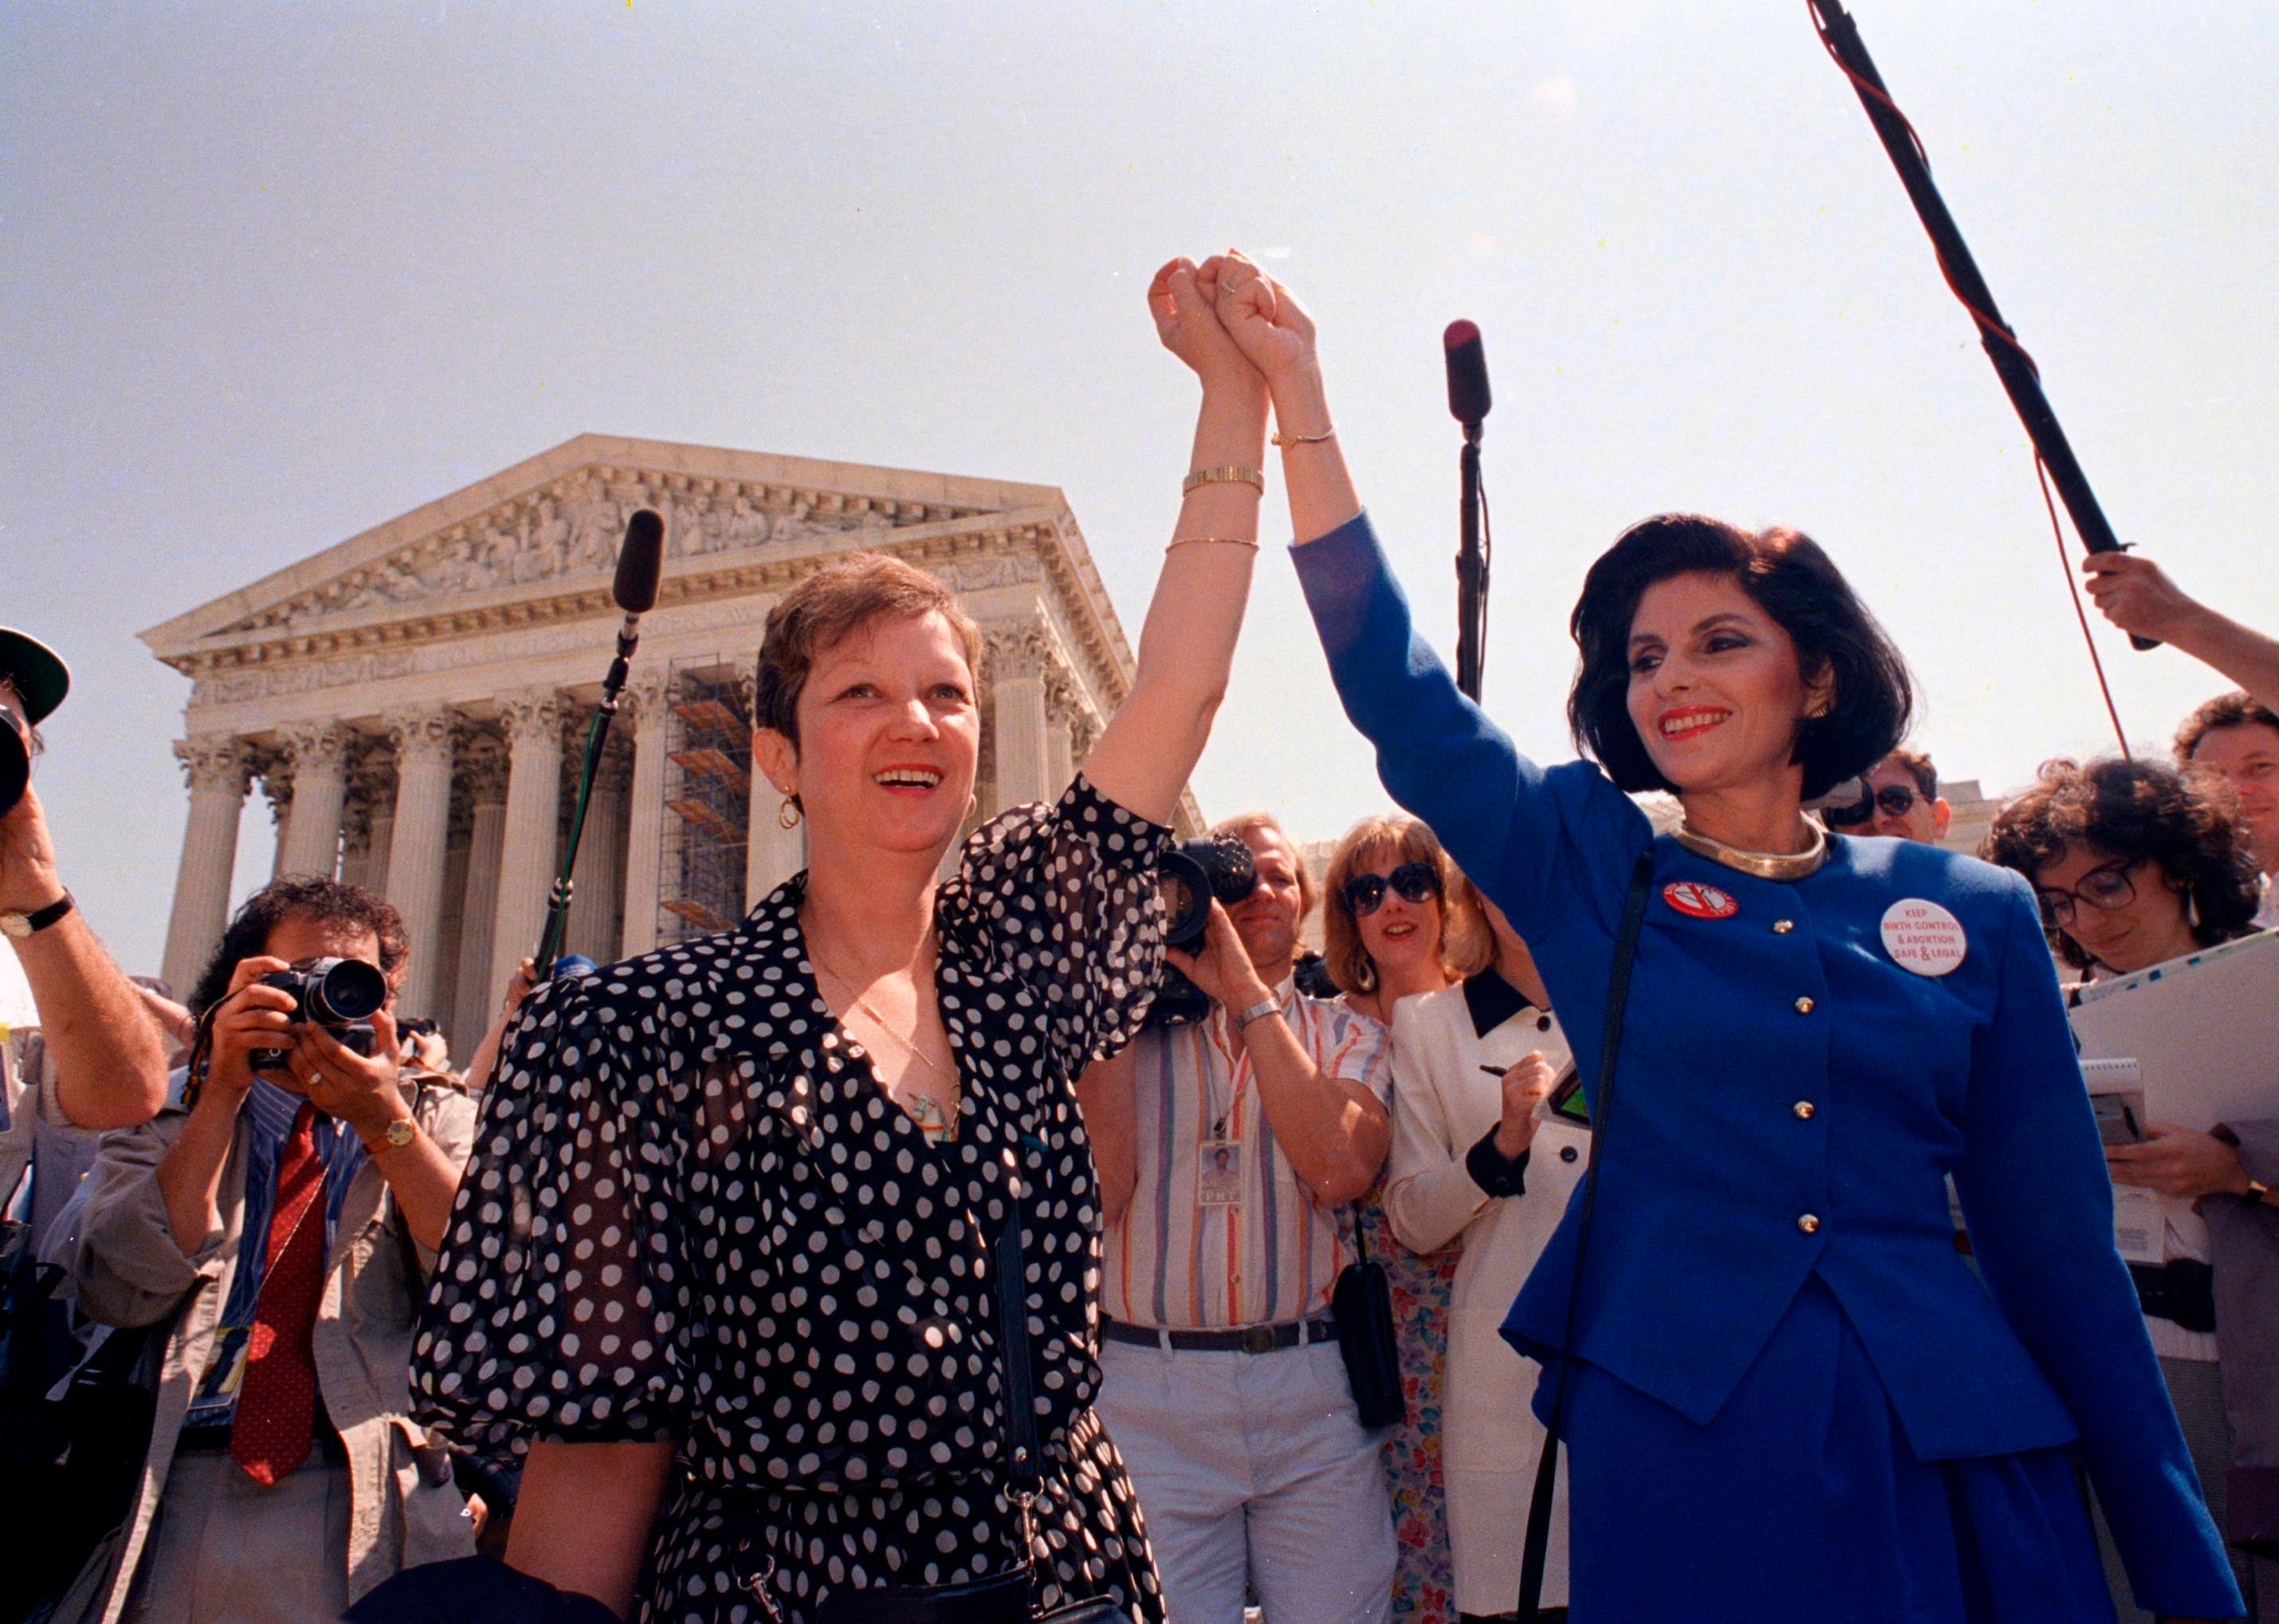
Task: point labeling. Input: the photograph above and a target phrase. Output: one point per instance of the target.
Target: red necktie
(276, 1415)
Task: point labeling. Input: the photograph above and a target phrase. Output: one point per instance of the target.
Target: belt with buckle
(1248, 1339)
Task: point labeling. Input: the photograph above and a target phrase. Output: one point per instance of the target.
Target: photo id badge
(1218, 1182)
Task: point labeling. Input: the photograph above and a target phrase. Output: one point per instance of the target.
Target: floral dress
(694, 1214)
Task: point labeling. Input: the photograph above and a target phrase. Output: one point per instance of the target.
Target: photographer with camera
(104, 1061)
(283, 1210)
(1230, 1148)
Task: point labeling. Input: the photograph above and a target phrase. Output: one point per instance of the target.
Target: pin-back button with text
(1923, 936)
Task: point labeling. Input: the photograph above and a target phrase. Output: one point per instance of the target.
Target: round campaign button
(1697, 900)
(1923, 936)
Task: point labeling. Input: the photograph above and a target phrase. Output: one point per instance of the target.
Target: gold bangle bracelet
(1233, 473)
(1213, 541)
(1284, 441)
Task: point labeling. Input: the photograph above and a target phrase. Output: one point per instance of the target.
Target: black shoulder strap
(1602, 1111)
(1021, 1462)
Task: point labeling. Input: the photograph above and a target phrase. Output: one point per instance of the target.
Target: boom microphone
(640, 563)
(641, 567)
(1468, 376)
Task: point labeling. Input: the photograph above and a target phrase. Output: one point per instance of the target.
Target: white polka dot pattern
(692, 1214)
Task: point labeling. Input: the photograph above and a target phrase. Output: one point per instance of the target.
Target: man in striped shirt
(1229, 1150)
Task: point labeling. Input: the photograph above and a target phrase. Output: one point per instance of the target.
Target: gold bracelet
(1233, 473)
(1284, 441)
(1213, 541)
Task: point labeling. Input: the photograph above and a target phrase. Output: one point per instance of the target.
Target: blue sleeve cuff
(1492, 1173)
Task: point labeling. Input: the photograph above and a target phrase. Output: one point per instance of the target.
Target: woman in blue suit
(1790, 1398)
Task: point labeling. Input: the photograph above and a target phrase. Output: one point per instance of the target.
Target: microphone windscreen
(640, 563)
(1468, 371)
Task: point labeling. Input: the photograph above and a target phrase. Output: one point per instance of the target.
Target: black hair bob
(1792, 579)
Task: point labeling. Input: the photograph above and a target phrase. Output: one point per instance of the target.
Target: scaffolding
(708, 789)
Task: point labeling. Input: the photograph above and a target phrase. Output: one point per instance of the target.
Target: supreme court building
(413, 701)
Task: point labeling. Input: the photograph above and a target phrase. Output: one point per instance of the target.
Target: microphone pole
(1468, 402)
(640, 563)
(2021, 380)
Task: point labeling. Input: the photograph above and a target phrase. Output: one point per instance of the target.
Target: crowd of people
(894, 1255)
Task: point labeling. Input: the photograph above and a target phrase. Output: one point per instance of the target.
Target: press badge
(1219, 1181)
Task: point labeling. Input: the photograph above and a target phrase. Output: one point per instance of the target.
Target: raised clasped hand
(1524, 1086)
(1265, 321)
(1183, 305)
(1221, 969)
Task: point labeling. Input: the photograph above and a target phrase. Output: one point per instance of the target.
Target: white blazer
(1443, 1103)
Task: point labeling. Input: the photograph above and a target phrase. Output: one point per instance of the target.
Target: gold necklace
(879, 1021)
(1764, 865)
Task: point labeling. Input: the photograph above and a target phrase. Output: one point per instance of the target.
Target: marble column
(1017, 664)
(313, 837)
(275, 772)
(1060, 720)
(484, 761)
(418, 836)
(532, 720)
(597, 879)
(647, 699)
(217, 771)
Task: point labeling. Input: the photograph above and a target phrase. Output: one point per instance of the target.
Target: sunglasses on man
(1412, 882)
(1893, 800)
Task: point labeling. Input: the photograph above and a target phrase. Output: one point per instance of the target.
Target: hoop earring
(972, 805)
(788, 815)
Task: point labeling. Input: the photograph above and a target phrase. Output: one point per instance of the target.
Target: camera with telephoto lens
(1188, 877)
(339, 995)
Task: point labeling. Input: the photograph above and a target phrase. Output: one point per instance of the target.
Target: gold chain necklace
(880, 1021)
(1764, 865)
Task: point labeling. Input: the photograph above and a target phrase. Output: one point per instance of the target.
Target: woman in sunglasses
(2134, 864)
(1790, 1401)
(1396, 925)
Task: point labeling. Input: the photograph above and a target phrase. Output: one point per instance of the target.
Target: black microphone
(1468, 376)
(640, 563)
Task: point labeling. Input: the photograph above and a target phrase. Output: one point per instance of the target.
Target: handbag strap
(1023, 1461)
(1602, 1102)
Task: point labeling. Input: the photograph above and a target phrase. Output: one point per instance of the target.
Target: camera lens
(343, 990)
(1186, 892)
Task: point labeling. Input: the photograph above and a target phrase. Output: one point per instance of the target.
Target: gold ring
(310, 1080)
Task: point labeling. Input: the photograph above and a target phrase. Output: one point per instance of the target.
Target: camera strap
(1602, 1107)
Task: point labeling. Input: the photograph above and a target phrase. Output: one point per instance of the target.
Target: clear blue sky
(274, 274)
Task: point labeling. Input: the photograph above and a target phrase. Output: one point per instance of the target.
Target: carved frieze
(570, 529)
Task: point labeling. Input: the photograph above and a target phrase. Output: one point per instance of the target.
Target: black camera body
(337, 995)
(15, 756)
(1188, 877)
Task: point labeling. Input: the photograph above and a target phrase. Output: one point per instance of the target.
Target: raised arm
(2136, 595)
(1525, 837)
(110, 1061)
(1186, 644)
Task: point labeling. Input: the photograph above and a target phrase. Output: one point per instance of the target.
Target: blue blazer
(1790, 1102)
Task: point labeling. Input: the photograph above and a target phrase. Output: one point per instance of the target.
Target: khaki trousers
(227, 1550)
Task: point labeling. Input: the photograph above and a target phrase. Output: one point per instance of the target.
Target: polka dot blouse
(693, 1214)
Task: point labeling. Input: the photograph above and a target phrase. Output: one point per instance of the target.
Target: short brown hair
(2136, 811)
(2234, 709)
(826, 607)
(1918, 767)
(1243, 823)
(1793, 580)
(1465, 945)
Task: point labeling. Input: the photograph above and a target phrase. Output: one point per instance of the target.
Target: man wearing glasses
(1907, 804)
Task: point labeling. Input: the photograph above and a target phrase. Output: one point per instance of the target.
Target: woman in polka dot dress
(721, 1261)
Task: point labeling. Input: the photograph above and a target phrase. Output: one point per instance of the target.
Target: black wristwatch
(18, 926)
